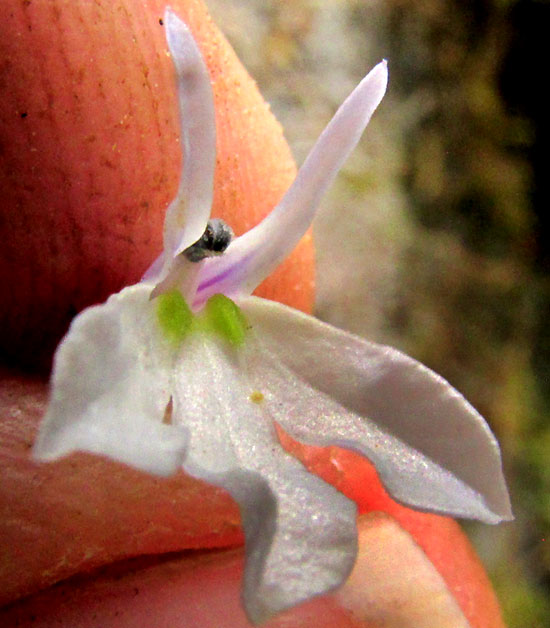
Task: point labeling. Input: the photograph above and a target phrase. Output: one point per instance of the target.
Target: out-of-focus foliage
(435, 237)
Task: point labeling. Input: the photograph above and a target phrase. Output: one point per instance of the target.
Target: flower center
(220, 316)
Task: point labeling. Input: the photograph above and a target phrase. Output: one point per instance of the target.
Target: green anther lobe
(174, 316)
(225, 318)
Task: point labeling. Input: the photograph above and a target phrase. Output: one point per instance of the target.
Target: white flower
(187, 370)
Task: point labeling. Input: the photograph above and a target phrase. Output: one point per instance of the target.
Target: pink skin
(203, 590)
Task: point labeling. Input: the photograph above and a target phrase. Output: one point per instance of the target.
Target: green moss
(174, 316)
(223, 317)
(523, 603)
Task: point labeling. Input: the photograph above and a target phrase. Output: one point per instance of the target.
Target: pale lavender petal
(111, 387)
(188, 213)
(300, 532)
(431, 448)
(183, 275)
(253, 256)
(155, 270)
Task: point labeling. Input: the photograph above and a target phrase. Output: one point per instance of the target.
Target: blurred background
(434, 238)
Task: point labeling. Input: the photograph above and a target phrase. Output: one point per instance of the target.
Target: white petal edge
(254, 255)
(187, 215)
(433, 451)
(111, 384)
(301, 537)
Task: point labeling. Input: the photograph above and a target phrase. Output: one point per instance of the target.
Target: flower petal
(432, 450)
(178, 273)
(155, 269)
(300, 532)
(111, 388)
(254, 255)
(188, 213)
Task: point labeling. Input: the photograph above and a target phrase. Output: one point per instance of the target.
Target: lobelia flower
(187, 370)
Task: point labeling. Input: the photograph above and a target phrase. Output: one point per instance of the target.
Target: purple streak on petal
(227, 281)
(214, 280)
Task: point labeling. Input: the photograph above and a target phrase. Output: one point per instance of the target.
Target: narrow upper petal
(432, 450)
(188, 213)
(253, 256)
(300, 532)
(111, 388)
